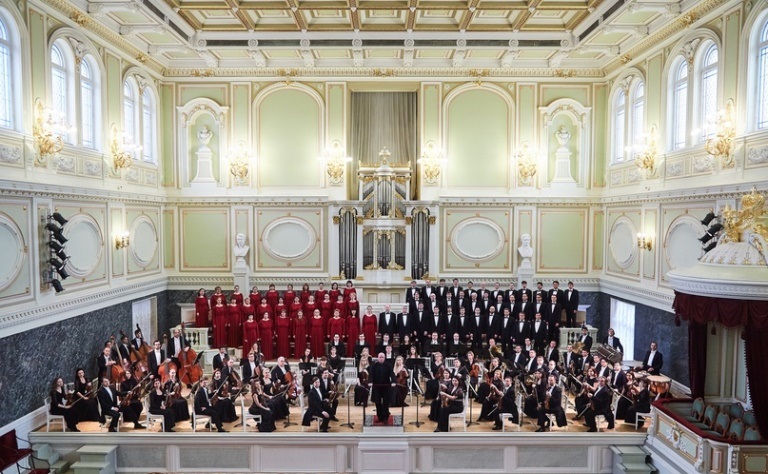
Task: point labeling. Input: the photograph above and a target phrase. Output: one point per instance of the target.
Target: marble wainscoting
(33, 358)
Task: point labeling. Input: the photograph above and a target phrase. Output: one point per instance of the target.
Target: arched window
(619, 125)
(762, 77)
(60, 79)
(149, 125)
(637, 122)
(6, 77)
(88, 104)
(708, 91)
(679, 110)
(130, 110)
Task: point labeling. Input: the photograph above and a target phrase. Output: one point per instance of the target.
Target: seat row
(730, 422)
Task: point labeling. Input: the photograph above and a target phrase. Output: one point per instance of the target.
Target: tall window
(130, 107)
(708, 78)
(6, 77)
(87, 105)
(623, 324)
(619, 119)
(140, 120)
(679, 105)
(60, 80)
(149, 122)
(638, 113)
(762, 77)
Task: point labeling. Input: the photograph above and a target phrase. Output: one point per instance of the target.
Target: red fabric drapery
(753, 316)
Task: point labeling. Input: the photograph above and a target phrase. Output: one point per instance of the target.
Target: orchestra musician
(588, 385)
(485, 387)
(156, 358)
(535, 388)
(316, 407)
(361, 389)
(174, 400)
(506, 404)
(250, 369)
(571, 305)
(626, 397)
(380, 381)
(203, 405)
(600, 405)
(86, 407)
(330, 394)
(434, 406)
(642, 403)
(491, 402)
(612, 341)
(259, 407)
(60, 406)
(653, 360)
(586, 339)
(110, 406)
(551, 403)
(438, 367)
(157, 406)
(130, 386)
(401, 377)
(220, 359)
(453, 403)
(105, 362)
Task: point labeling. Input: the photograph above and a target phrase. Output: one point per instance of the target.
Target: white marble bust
(525, 250)
(240, 250)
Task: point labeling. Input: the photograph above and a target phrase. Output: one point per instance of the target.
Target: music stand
(416, 423)
(469, 387)
(349, 422)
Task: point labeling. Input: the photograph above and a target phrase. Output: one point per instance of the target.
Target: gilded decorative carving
(336, 220)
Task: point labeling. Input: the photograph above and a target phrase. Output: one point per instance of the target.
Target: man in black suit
(441, 291)
(552, 403)
(507, 331)
(653, 360)
(387, 322)
(521, 329)
(540, 291)
(613, 341)
(220, 359)
(405, 324)
(464, 325)
(472, 303)
(328, 389)
(496, 292)
(340, 347)
(382, 380)
(105, 362)
(455, 289)
(249, 368)
(360, 345)
(410, 293)
(436, 323)
(551, 353)
(555, 290)
(524, 306)
(316, 407)
(176, 344)
(110, 406)
(420, 323)
(602, 406)
(519, 358)
(478, 328)
(427, 290)
(156, 358)
(571, 305)
(433, 345)
(554, 313)
(138, 339)
(586, 339)
(385, 341)
(203, 405)
(494, 325)
(524, 290)
(539, 332)
(499, 304)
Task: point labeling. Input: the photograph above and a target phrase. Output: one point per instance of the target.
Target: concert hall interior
(525, 236)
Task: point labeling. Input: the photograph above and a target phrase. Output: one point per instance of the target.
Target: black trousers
(215, 418)
(380, 397)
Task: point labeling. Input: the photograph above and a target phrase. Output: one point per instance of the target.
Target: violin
(293, 387)
(190, 370)
(173, 394)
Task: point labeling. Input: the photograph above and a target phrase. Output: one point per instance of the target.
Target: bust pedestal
(241, 273)
(204, 166)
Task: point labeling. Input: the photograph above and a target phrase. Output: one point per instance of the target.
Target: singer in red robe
(289, 295)
(202, 309)
(310, 306)
(299, 333)
(370, 322)
(237, 295)
(305, 293)
(326, 310)
(234, 323)
(255, 296)
(272, 295)
(296, 306)
(250, 333)
(283, 328)
(219, 313)
(264, 307)
(352, 303)
(316, 333)
(336, 326)
(335, 292)
(352, 332)
(320, 294)
(267, 335)
(349, 290)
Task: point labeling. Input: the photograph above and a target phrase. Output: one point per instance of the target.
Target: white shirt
(650, 357)
(158, 356)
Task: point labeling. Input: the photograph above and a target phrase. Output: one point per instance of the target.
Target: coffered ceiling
(218, 35)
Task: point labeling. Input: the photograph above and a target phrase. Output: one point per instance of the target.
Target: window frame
(758, 119)
(705, 74)
(144, 106)
(89, 62)
(627, 135)
(11, 52)
(678, 113)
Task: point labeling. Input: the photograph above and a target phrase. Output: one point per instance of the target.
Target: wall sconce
(644, 241)
(336, 159)
(645, 159)
(122, 240)
(720, 136)
(526, 164)
(240, 163)
(122, 153)
(49, 128)
(431, 161)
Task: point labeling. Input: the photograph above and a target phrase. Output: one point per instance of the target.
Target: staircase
(631, 460)
(96, 460)
(47, 457)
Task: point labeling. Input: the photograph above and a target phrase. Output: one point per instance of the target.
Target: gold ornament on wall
(240, 163)
(48, 131)
(122, 153)
(335, 159)
(526, 164)
(431, 162)
(646, 157)
(720, 134)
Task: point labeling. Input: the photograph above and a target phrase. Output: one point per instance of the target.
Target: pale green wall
(478, 140)
(289, 133)
(600, 133)
(131, 215)
(170, 237)
(311, 218)
(215, 92)
(562, 238)
(453, 261)
(202, 249)
(118, 256)
(19, 211)
(167, 137)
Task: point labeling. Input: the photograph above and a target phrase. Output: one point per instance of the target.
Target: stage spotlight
(55, 246)
(51, 227)
(62, 273)
(710, 247)
(714, 229)
(57, 264)
(59, 237)
(59, 218)
(708, 218)
(56, 284)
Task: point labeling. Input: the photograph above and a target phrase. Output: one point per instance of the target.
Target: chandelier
(719, 142)
(49, 128)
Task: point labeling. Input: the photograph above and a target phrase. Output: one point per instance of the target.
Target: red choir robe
(299, 334)
(288, 296)
(283, 327)
(352, 332)
(264, 308)
(267, 337)
(219, 318)
(304, 296)
(272, 297)
(216, 296)
(201, 312)
(234, 325)
(320, 295)
(250, 335)
(238, 297)
(342, 307)
(349, 291)
(353, 305)
(295, 307)
(317, 336)
(335, 295)
(369, 328)
(335, 326)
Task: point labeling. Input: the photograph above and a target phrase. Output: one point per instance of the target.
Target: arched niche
(194, 117)
(289, 131)
(569, 116)
(478, 128)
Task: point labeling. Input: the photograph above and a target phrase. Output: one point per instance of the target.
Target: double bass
(164, 370)
(116, 371)
(190, 370)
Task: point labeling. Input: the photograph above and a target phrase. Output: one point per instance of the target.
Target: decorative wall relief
(477, 239)
(701, 164)
(566, 132)
(144, 244)
(757, 155)
(681, 245)
(92, 168)
(66, 164)
(674, 169)
(289, 239)
(86, 245)
(10, 154)
(202, 136)
(621, 242)
(14, 249)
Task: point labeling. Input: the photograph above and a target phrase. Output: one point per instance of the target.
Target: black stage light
(708, 218)
(57, 264)
(59, 218)
(55, 246)
(51, 227)
(710, 246)
(59, 237)
(56, 284)
(62, 273)
(714, 229)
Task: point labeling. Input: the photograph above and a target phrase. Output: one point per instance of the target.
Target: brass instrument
(546, 401)
(334, 393)
(495, 351)
(530, 379)
(577, 347)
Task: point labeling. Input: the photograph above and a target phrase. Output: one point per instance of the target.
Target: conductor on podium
(382, 380)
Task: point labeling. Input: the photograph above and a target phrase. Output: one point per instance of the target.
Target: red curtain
(697, 357)
(753, 316)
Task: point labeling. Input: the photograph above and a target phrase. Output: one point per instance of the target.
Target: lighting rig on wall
(526, 163)
(335, 159)
(720, 134)
(431, 161)
(55, 264)
(240, 162)
(122, 153)
(646, 157)
(49, 128)
(712, 232)
(122, 240)
(644, 241)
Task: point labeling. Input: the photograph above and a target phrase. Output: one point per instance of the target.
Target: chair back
(736, 430)
(736, 410)
(697, 411)
(749, 418)
(710, 413)
(751, 434)
(722, 422)
(48, 404)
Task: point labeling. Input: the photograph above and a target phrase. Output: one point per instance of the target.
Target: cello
(164, 370)
(116, 370)
(190, 370)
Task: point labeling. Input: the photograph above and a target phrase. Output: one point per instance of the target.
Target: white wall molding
(25, 425)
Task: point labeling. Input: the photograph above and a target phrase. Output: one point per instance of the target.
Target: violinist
(156, 358)
(626, 396)
(133, 391)
(106, 362)
(85, 403)
(535, 387)
(276, 396)
(203, 405)
(434, 406)
(220, 398)
(60, 405)
(600, 405)
(618, 378)
(459, 369)
(157, 406)
(259, 407)
(110, 406)
(174, 399)
(220, 359)
(401, 388)
(335, 364)
(361, 345)
(551, 403)
(433, 386)
(491, 402)
(250, 369)
(316, 407)
(330, 393)
(506, 405)
(642, 403)
(484, 389)
(305, 368)
(588, 385)
(361, 389)
(453, 402)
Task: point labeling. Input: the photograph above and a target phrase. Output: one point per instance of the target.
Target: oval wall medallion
(477, 239)
(289, 238)
(622, 242)
(12, 243)
(681, 244)
(143, 241)
(85, 245)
